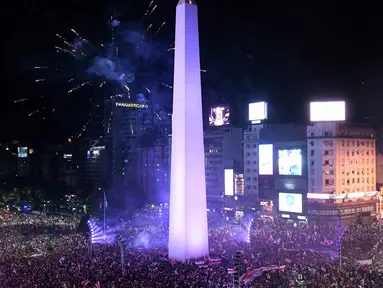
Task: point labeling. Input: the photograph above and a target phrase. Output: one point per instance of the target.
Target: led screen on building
(219, 116)
(265, 159)
(22, 152)
(290, 162)
(229, 182)
(328, 111)
(239, 185)
(257, 111)
(289, 202)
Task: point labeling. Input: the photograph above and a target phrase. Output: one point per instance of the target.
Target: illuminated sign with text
(132, 105)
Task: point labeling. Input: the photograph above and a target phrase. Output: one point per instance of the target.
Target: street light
(340, 248)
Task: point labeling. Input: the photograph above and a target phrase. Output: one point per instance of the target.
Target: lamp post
(340, 248)
(90, 226)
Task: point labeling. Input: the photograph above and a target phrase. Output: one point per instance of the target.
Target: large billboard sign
(22, 152)
(328, 111)
(229, 182)
(265, 159)
(219, 115)
(289, 202)
(290, 162)
(257, 111)
(239, 184)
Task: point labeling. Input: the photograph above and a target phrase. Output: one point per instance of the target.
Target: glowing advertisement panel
(229, 182)
(239, 185)
(22, 152)
(328, 111)
(219, 116)
(290, 202)
(257, 111)
(266, 159)
(290, 162)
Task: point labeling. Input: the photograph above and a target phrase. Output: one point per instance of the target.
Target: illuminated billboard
(328, 111)
(219, 116)
(290, 162)
(229, 182)
(265, 159)
(257, 111)
(289, 202)
(22, 152)
(239, 185)
(132, 105)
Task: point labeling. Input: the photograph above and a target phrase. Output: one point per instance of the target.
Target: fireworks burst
(110, 66)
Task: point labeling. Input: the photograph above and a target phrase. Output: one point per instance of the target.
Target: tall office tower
(223, 151)
(188, 234)
(124, 123)
(250, 149)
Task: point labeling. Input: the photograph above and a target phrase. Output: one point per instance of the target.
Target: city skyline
(278, 61)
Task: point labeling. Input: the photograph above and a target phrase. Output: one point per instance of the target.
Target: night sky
(284, 52)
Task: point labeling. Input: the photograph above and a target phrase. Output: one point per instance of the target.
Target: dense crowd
(46, 251)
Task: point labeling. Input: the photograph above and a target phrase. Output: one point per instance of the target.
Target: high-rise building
(282, 171)
(154, 163)
(250, 162)
(223, 150)
(188, 233)
(379, 170)
(124, 124)
(92, 166)
(341, 172)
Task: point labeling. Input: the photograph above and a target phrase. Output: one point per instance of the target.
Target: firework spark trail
(144, 36)
(59, 49)
(40, 67)
(117, 96)
(159, 29)
(33, 113)
(172, 47)
(154, 9)
(81, 38)
(102, 84)
(70, 80)
(204, 71)
(146, 88)
(147, 10)
(166, 85)
(79, 86)
(21, 100)
(84, 127)
(40, 80)
(157, 115)
(128, 89)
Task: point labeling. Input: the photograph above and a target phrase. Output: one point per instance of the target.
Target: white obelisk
(188, 232)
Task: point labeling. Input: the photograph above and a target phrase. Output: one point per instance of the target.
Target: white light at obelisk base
(188, 232)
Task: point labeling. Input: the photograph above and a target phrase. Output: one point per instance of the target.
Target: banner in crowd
(365, 262)
(249, 276)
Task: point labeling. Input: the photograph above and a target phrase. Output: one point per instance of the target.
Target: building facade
(154, 163)
(342, 172)
(283, 170)
(250, 161)
(223, 150)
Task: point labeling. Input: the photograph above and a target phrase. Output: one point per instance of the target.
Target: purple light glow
(188, 233)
